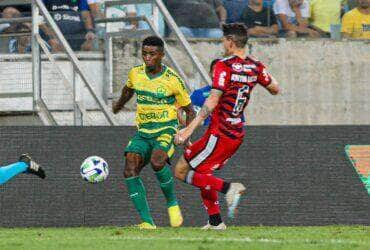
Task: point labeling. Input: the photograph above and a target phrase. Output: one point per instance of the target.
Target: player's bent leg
(233, 195)
(182, 169)
(164, 176)
(136, 189)
(210, 201)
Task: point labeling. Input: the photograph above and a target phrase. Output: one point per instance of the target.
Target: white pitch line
(246, 239)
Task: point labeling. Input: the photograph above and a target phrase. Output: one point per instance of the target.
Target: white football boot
(232, 197)
(220, 226)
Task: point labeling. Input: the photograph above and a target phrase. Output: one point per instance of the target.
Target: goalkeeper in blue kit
(25, 165)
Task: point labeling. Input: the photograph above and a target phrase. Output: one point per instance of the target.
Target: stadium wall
(324, 82)
(295, 175)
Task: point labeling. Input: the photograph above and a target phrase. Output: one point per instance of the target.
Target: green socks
(138, 196)
(165, 179)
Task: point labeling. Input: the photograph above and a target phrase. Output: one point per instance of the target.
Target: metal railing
(40, 15)
(158, 7)
(39, 8)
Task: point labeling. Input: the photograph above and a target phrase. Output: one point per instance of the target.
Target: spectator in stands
(293, 18)
(146, 9)
(356, 23)
(323, 14)
(74, 20)
(14, 11)
(234, 9)
(198, 18)
(261, 22)
(95, 8)
(20, 44)
(351, 4)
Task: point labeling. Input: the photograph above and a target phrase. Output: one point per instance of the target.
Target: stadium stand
(108, 63)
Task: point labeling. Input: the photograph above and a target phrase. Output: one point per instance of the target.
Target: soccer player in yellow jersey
(160, 91)
(356, 23)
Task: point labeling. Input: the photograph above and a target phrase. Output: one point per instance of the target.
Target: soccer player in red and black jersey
(234, 79)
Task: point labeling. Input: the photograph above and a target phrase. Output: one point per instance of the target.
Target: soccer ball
(94, 169)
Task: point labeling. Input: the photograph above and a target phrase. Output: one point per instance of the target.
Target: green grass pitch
(330, 237)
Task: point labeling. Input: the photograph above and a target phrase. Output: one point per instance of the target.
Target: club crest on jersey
(161, 92)
(238, 67)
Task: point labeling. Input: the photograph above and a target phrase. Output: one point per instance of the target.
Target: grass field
(332, 237)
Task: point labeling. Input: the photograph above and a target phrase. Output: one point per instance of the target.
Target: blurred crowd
(197, 19)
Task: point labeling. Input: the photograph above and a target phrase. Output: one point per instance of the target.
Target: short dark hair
(153, 41)
(237, 32)
(213, 63)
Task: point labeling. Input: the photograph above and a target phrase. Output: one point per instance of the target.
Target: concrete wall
(294, 176)
(323, 81)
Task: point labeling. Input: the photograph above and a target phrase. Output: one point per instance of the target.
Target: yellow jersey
(324, 13)
(356, 24)
(157, 99)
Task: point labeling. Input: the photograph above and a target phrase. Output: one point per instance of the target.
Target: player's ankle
(172, 204)
(215, 219)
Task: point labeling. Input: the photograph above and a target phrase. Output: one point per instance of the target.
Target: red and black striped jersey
(236, 78)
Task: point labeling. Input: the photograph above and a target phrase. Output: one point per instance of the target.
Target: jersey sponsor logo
(152, 99)
(153, 115)
(64, 7)
(243, 78)
(66, 17)
(249, 66)
(221, 80)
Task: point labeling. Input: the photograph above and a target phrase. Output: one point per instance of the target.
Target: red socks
(210, 201)
(205, 181)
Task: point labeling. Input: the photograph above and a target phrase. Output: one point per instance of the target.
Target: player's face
(152, 56)
(227, 46)
(364, 3)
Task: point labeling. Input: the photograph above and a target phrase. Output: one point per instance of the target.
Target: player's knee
(130, 172)
(158, 164)
(131, 166)
(158, 161)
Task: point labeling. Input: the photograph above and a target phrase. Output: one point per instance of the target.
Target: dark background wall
(294, 176)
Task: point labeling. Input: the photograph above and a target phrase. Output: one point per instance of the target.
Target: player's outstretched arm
(209, 105)
(273, 87)
(126, 95)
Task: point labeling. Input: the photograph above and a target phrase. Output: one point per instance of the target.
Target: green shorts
(144, 146)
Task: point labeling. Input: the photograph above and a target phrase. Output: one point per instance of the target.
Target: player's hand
(116, 107)
(182, 136)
